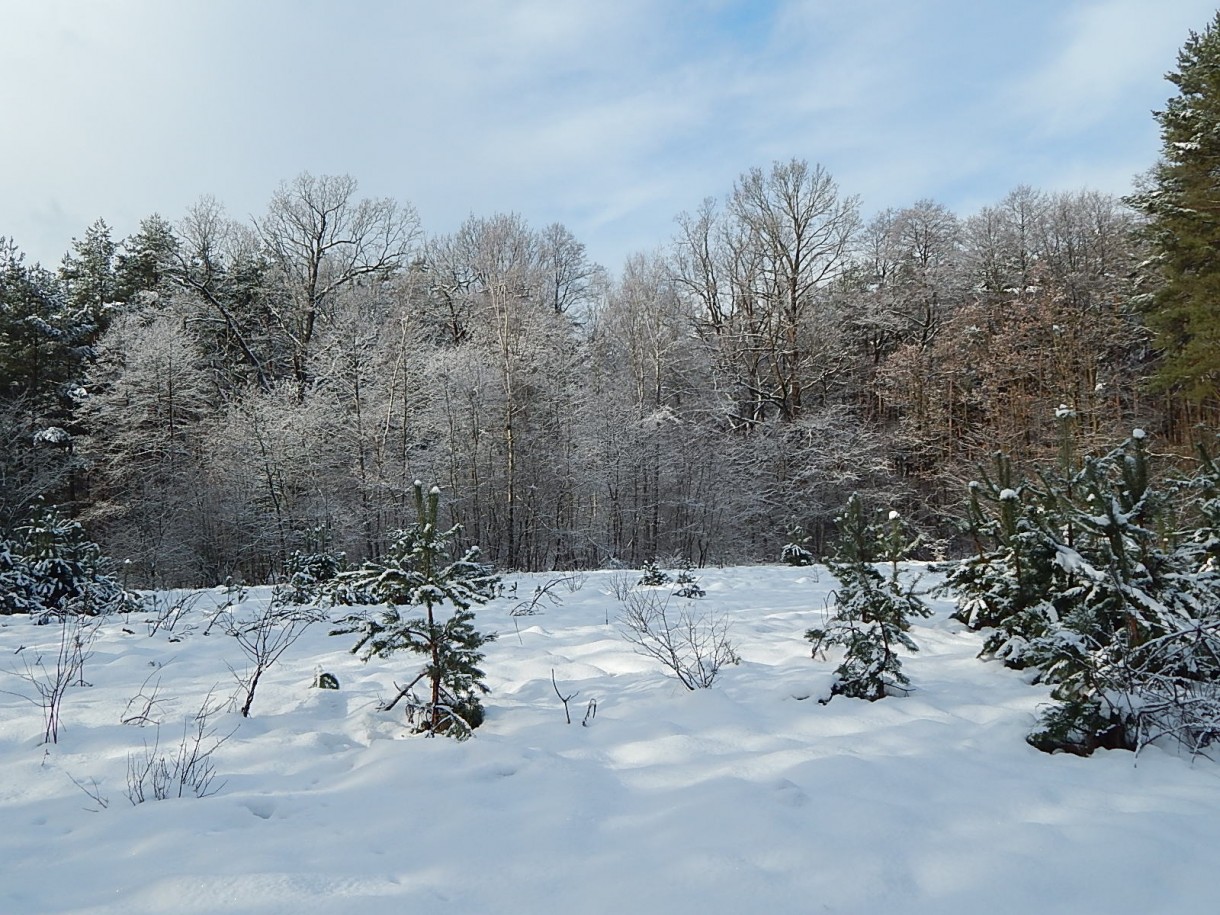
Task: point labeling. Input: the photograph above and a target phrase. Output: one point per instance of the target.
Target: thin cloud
(609, 117)
(1102, 56)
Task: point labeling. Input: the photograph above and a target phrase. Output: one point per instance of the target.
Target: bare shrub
(590, 709)
(562, 698)
(145, 706)
(94, 791)
(693, 647)
(574, 580)
(190, 770)
(235, 593)
(263, 638)
(544, 596)
(167, 609)
(50, 681)
(620, 585)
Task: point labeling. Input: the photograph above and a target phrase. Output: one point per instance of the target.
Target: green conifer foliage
(1182, 203)
(1096, 581)
(51, 569)
(418, 572)
(654, 576)
(145, 260)
(796, 552)
(873, 610)
(87, 274)
(1005, 586)
(44, 340)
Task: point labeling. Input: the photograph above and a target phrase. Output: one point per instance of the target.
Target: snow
(52, 435)
(747, 797)
(1138, 434)
(1009, 495)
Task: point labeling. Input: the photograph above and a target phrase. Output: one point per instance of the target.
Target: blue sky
(610, 116)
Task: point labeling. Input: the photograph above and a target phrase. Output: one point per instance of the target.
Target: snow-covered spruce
(872, 612)
(1004, 587)
(418, 572)
(1079, 583)
(51, 568)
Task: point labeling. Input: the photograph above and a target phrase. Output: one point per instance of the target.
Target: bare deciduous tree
(321, 240)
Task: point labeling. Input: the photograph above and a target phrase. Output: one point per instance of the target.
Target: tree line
(210, 396)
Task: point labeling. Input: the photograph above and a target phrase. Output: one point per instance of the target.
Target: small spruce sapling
(312, 574)
(52, 568)
(418, 572)
(654, 576)
(687, 582)
(873, 610)
(17, 586)
(796, 552)
(1005, 586)
(1105, 586)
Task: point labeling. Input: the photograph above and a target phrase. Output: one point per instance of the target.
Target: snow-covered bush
(687, 583)
(51, 569)
(418, 572)
(1007, 586)
(654, 576)
(315, 574)
(323, 679)
(794, 554)
(1087, 578)
(871, 617)
(308, 573)
(795, 551)
(17, 587)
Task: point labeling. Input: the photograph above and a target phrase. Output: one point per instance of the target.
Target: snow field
(748, 797)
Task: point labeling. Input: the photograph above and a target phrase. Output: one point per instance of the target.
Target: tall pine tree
(1182, 203)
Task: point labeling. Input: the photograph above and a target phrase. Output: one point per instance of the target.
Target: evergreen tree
(687, 582)
(654, 576)
(418, 572)
(873, 610)
(45, 345)
(314, 574)
(17, 592)
(52, 568)
(87, 274)
(146, 259)
(796, 552)
(1083, 579)
(1182, 204)
(1005, 585)
(44, 341)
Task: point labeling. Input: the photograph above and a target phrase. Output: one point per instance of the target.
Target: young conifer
(418, 572)
(873, 610)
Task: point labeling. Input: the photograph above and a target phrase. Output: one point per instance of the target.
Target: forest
(211, 397)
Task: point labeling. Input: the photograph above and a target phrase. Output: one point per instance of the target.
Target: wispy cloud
(1101, 54)
(610, 117)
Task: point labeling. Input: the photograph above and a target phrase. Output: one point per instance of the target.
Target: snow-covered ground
(747, 797)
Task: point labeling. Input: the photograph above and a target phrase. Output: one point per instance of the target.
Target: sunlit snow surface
(749, 797)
